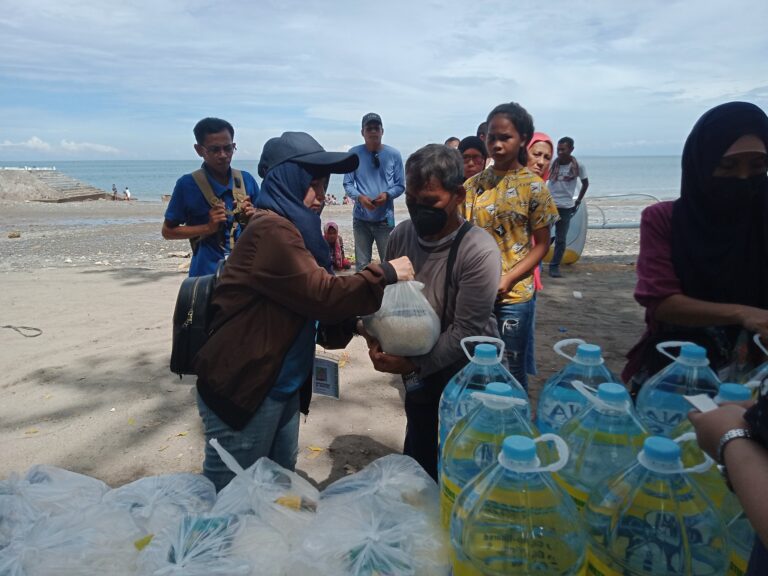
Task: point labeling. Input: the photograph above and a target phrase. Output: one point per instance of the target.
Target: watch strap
(732, 434)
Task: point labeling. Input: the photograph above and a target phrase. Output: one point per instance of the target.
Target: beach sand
(93, 392)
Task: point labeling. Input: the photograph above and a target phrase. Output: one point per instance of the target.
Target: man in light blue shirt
(373, 187)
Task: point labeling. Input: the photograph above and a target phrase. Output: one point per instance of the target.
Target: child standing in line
(513, 205)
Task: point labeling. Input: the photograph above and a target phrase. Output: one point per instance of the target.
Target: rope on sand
(23, 330)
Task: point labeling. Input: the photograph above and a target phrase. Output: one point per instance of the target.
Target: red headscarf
(541, 137)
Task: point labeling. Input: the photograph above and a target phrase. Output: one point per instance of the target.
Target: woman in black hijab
(703, 263)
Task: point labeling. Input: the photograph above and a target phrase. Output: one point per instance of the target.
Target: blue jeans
(273, 431)
(561, 234)
(515, 326)
(365, 234)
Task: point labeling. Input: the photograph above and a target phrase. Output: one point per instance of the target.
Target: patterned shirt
(510, 206)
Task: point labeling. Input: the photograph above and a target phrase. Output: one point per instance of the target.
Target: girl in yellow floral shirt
(513, 205)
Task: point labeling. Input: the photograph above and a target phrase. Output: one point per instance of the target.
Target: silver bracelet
(727, 437)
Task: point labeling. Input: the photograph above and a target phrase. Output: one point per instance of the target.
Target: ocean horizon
(149, 180)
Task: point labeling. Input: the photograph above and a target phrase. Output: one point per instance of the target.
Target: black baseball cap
(371, 118)
(301, 148)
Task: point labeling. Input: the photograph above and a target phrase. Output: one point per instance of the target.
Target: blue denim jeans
(365, 234)
(561, 234)
(273, 431)
(515, 326)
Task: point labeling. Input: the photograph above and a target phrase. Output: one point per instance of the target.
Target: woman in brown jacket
(277, 285)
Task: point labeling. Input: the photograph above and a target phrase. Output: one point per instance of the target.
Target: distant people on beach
(336, 246)
(126, 194)
(254, 372)
(464, 301)
(474, 155)
(211, 206)
(114, 192)
(702, 271)
(514, 206)
(452, 142)
(565, 172)
(346, 201)
(375, 184)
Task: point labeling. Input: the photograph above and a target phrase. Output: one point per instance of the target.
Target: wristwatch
(724, 440)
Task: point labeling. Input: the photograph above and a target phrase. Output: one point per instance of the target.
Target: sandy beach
(93, 393)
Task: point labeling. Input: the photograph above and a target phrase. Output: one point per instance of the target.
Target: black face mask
(737, 188)
(428, 221)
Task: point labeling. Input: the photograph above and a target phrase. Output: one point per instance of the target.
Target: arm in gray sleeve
(477, 288)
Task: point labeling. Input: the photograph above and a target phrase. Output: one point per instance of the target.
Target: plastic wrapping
(279, 497)
(406, 324)
(198, 546)
(265, 549)
(394, 477)
(160, 501)
(372, 536)
(94, 541)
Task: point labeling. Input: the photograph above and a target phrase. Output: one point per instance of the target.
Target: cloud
(70, 146)
(34, 143)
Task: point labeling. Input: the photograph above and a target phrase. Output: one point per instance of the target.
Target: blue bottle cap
(733, 393)
(519, 449)
(499, 388)
(661, 449)
(693, 352)
(612, 393)
(590, 354)
(486, 351)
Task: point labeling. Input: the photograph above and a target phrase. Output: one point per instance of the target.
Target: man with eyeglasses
(211, 206)
(373, 187)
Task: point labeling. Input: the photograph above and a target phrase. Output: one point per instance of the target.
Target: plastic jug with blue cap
(475, 441)
(660, 403)
(651, 518)
(559, 400)
(513, 518)
(485, 366)
(602, 439)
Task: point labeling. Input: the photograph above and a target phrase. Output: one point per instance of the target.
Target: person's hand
(755, 320)
(576, 205)
(216, 215)
(389, 363)
(366, 202)
(381, 199)
(403, 267)
(247, 208)
(710, 426)
(505, 284)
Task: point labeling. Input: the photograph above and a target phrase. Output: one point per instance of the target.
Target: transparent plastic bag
(156, 502)
(94, 541)
(369, 537)
(266, 550)
(55, 490)
(279, 497)
(406, 324)
(394, 477)
(199, 545)
(17, 516)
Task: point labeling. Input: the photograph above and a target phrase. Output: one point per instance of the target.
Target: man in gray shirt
(434, 196)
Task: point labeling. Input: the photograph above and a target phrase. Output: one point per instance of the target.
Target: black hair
(523, 122)
(452, 139)
(566, 140)
(211, 126)
(474, 143)
(482, 129)
(435, 161)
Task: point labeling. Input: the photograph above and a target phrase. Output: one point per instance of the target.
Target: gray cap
(371, 118)
(301, 148)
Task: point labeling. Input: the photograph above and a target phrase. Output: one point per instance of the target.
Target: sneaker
(554, 272)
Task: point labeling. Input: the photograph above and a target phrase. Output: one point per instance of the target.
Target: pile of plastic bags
(268, 521)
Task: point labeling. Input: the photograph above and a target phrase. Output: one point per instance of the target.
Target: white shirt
(563, 191)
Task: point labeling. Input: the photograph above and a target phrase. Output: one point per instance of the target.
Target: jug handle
(759, 343)
(698, 468)
(662, 347)
(482, 340)
(558, 347)
(562, 452)
(511, 400)
(227, 458)
(590, 393)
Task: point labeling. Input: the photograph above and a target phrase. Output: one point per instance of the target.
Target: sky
(128, 79)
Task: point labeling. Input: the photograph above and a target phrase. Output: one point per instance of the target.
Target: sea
(149, 180)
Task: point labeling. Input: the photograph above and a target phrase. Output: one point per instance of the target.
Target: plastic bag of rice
(406, 324)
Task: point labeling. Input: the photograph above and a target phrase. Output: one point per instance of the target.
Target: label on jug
(737, 565)
(448, 492)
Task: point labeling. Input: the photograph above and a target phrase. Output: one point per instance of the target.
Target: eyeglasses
(376, 161)
(477, 158)
(216, 150)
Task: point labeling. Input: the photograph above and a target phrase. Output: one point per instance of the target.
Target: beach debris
(67, 260)
(113, 409)
(562, 329)
(14, 234)
(578, 295)
(178, 255)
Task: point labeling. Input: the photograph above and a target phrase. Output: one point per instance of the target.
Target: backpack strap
(449, 267)
(238, 193)
(205, 187)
